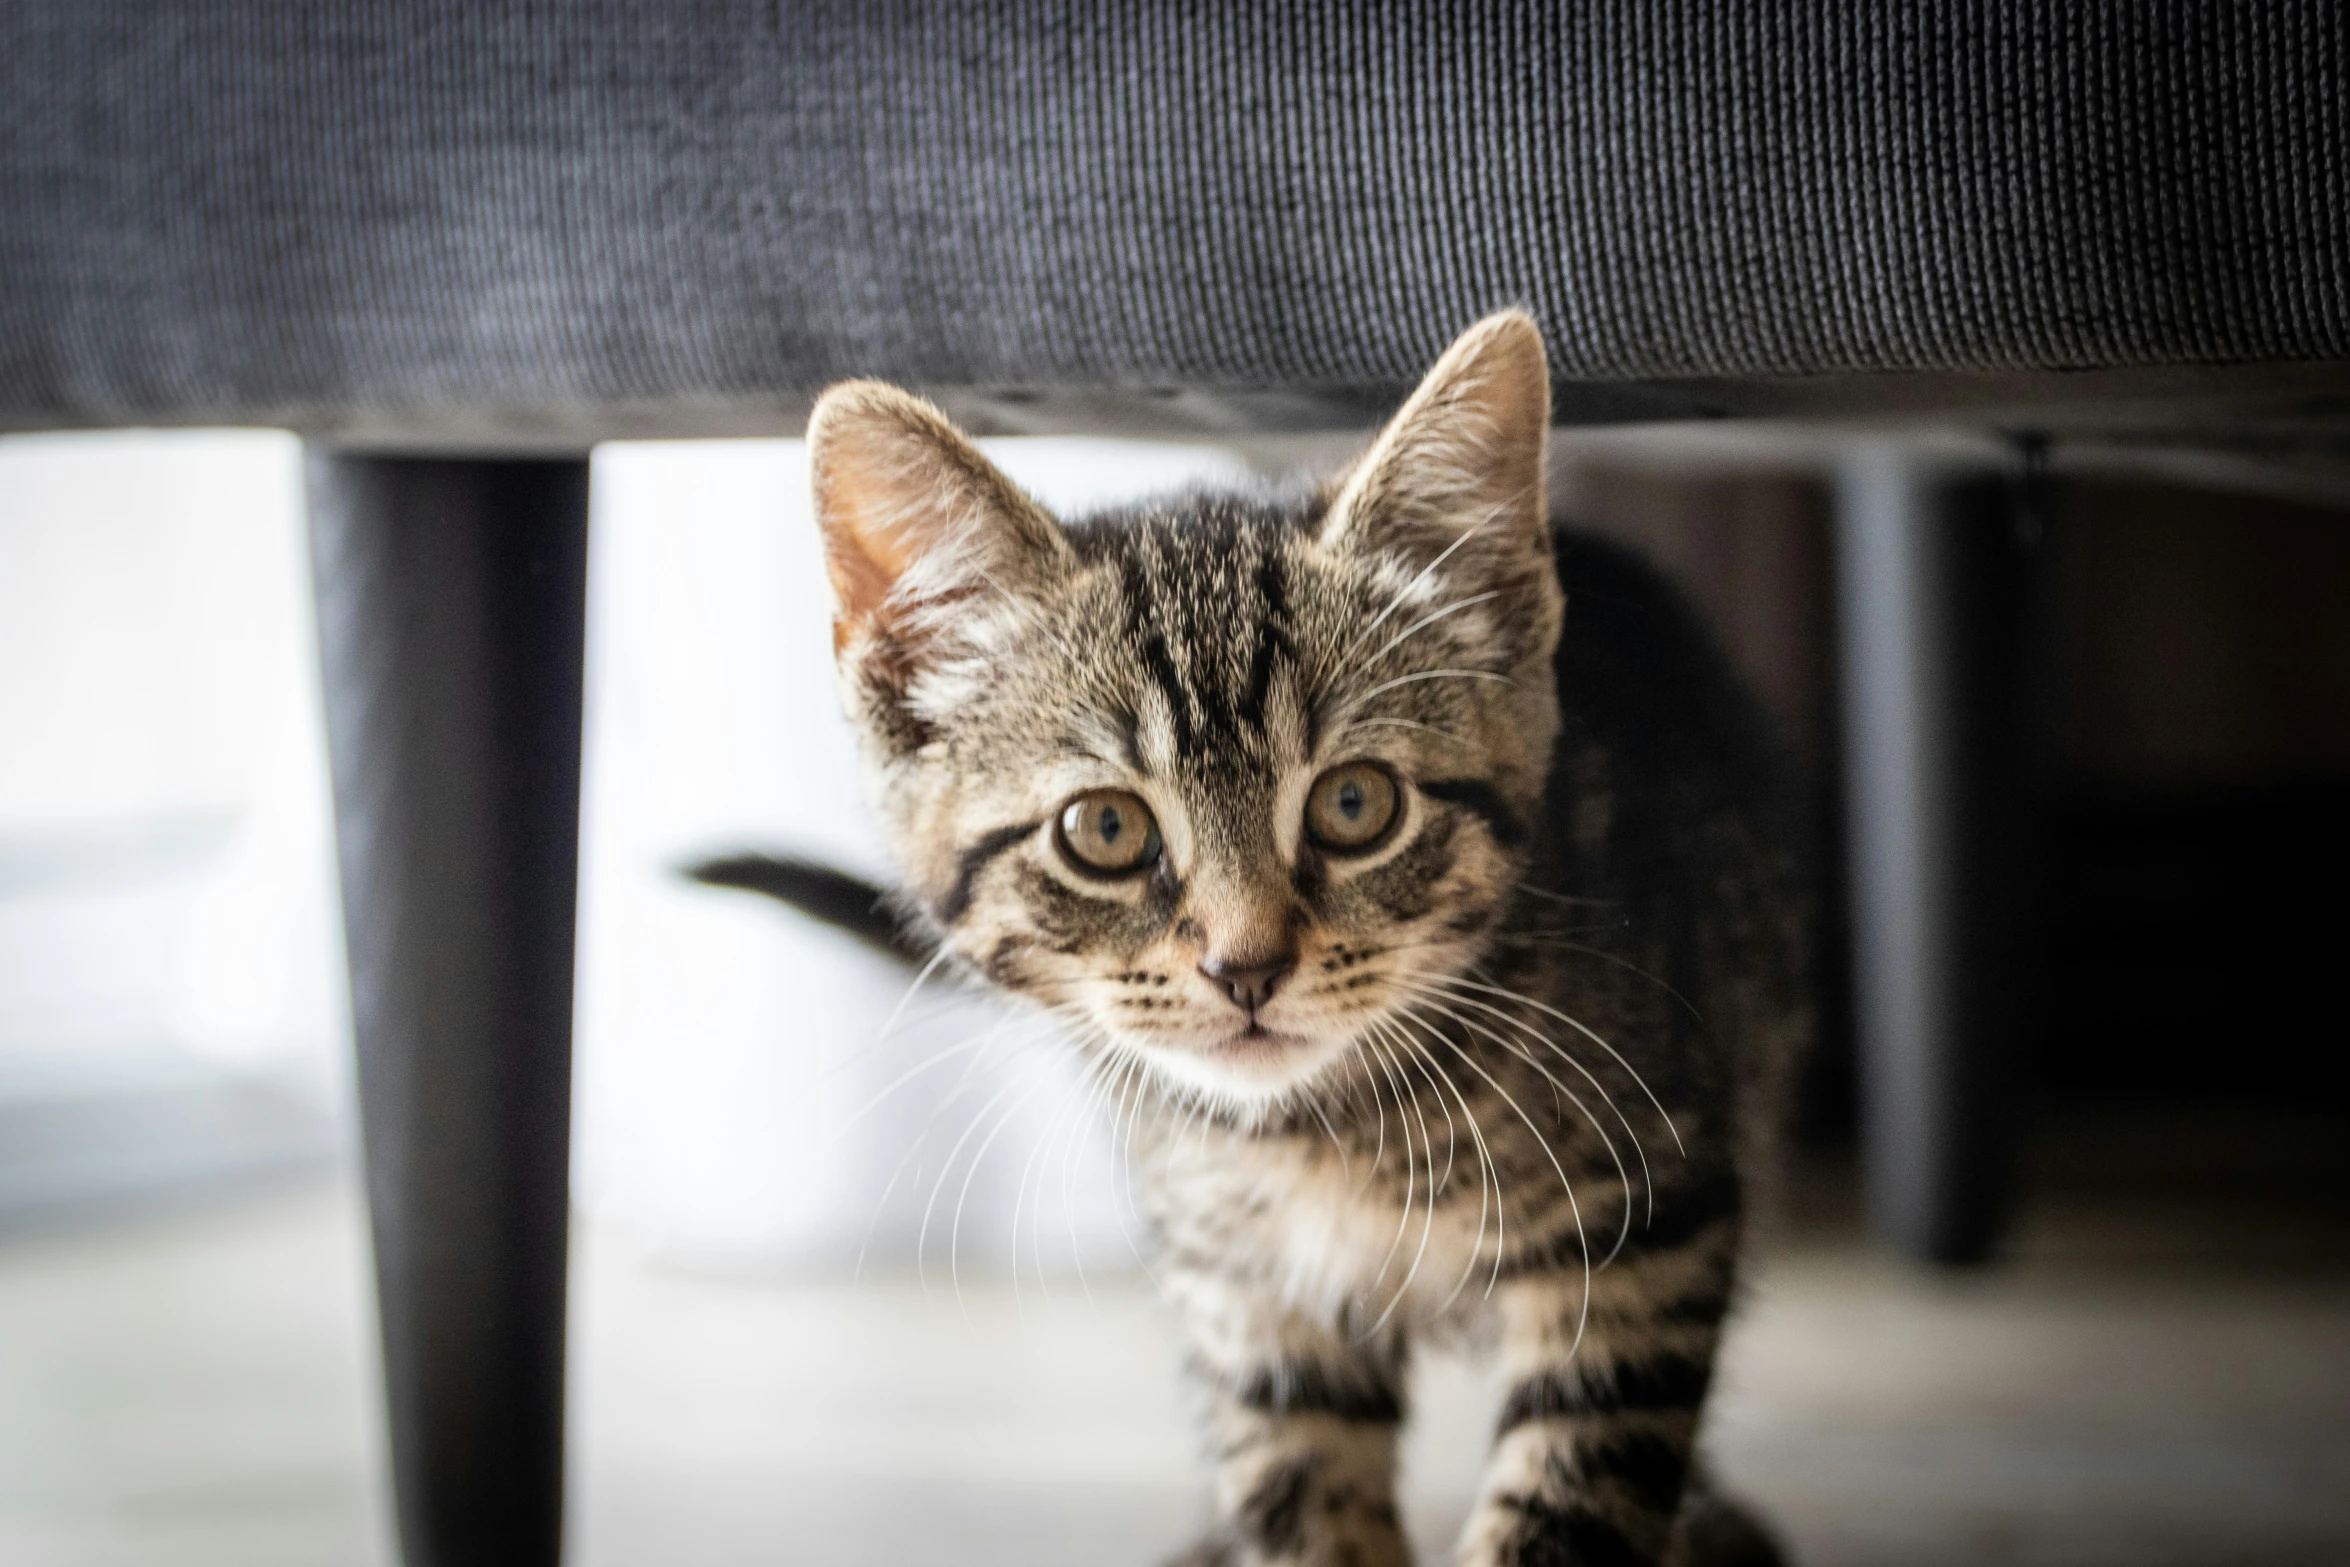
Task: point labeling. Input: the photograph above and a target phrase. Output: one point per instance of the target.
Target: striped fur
(1515, 1076)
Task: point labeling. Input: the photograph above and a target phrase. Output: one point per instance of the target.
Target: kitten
(1443, 929)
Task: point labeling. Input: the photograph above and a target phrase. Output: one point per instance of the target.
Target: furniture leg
(451, 603)
(1939, 595)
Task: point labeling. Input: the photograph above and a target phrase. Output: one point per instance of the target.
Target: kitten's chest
(1324, 1231)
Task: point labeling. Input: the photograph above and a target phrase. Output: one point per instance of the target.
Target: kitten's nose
(1249, 985)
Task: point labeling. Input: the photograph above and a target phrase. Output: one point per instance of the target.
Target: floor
(2158, 1375)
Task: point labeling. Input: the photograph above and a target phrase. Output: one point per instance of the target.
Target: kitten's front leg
(1592, 1456)
(1302, 1424)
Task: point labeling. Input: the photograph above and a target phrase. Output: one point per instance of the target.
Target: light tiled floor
(2148, 1384)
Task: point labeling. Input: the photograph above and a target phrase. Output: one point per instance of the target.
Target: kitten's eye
(1351, 807)
(1108, 833)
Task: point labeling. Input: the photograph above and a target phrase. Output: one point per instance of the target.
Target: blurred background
(835, 1239)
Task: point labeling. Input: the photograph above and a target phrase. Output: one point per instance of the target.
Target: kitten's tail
(836, 898)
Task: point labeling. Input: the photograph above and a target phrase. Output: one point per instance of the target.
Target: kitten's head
(1229, 776)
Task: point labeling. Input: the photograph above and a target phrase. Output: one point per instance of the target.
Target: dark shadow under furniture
(454, 246)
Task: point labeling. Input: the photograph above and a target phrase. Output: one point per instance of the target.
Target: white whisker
(930, 1012)
(1092, 1081)
(1487, 1169)
(1425, 572)
(946, 1168)
(970, 1174)
(921, 974)
(1579, 1027)
(1445, 735)
(1574, 1205)
(1427, 620)
(1028, 1168)
(1623, 1177)
(908, 1075)
(1134, 1078)
(1345, 1173)
(930, 1123)
(1430, 987)
(1427, 1230)
(1404, 1220)
(1379, 1147)
(1549, 938)
(1560, 897)
(1385, 686)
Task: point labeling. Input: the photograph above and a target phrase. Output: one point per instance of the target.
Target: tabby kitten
(1451, 956)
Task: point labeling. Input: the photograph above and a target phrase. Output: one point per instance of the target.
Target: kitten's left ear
(1457, 474)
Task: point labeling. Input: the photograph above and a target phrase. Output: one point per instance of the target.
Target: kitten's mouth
(1256, 1041)
(1252, 1061)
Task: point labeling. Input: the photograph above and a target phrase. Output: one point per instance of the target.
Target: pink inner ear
(864, 560)
(900, 493)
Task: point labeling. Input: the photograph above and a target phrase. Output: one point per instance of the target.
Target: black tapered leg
(1939, 620)
(451, 598)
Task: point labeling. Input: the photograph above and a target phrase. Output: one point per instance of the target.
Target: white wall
(164, 871)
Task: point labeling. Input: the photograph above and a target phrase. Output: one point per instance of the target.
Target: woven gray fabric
(292, 213)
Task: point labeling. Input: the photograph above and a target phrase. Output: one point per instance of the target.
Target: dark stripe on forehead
(1217, 730)
(1272, 637)
(1481, 799)
(971, 862)
(1152, 643)
(1205, 602)
(1162, 668)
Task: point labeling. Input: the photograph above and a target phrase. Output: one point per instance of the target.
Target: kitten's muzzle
(1249, 985)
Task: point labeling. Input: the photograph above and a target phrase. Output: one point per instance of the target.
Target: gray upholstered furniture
(454, 243)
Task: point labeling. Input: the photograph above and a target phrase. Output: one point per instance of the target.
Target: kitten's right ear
(916, 524)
